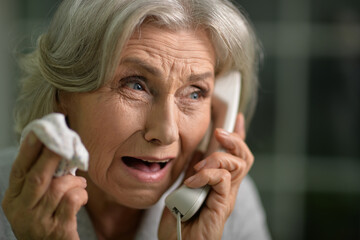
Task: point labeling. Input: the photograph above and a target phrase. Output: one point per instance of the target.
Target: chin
(143, 200)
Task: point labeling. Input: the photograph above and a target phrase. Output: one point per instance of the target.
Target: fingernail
(83, 180)
(242, 120)
(226, 141)
(200, 165)
(189, 180)
(223, 132)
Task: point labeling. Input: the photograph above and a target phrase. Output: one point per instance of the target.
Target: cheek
(193, 129)
(103, 125)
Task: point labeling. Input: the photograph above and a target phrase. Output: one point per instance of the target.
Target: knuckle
(17, 173)
(226, 175)
(36, 179)
(241, 165)
(217, 155)
(238, 165)
(58, 186)
(204, 173)
(75, 198)
(72, 199)
(85, 196)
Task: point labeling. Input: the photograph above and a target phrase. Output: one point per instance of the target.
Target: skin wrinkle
(163, 51)
(176, 51)
(154, 71)
(129, 119)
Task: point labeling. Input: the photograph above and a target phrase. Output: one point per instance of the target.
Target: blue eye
(135, 86)
(195, 95)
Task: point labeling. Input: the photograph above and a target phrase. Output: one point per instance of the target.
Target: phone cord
(178, 225)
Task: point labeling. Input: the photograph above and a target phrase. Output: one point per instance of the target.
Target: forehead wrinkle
(154, 70)
(186, 74)
(168, 42)
(143, 64)
(172, 53)
(187, 56)
(176, 38)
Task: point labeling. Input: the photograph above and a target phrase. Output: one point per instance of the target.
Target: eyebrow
(156, 72)
(147, 67)
(200, 77)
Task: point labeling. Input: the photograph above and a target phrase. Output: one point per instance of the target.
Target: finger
(240, 126)
(70, 204)
(234, 145)
(57, 189)
(237, 167)
(220, 160)
(39, 177)
(218, 179)
(28, 154)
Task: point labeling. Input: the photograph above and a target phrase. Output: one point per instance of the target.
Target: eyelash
(203, 93)
(133, 79)
(199, 90)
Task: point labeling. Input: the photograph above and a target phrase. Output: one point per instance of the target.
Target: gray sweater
(247, 221)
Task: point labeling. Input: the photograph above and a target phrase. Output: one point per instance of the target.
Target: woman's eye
(137, 83)
(135, 86)
(195, 95)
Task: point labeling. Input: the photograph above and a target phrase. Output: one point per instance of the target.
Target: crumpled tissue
(54, 133)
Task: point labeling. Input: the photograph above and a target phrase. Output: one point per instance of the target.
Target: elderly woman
(134, 79)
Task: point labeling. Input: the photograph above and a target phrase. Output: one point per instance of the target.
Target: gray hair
(81, 49)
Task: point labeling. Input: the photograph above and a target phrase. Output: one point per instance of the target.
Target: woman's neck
(110, 219)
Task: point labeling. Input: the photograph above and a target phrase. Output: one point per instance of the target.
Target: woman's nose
(162, 123)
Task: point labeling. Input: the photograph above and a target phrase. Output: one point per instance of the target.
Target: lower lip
(148, 177)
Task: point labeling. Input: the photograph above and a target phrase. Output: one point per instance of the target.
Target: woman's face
(142, 127)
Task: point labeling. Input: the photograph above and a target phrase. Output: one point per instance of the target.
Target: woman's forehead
(182, 44)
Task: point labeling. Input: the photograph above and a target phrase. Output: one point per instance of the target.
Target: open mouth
(144, 165)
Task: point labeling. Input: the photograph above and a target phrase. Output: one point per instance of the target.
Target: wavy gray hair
(81, 49)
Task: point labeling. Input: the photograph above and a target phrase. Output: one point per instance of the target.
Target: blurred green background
(306, 131)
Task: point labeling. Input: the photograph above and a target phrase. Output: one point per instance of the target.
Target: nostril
(160, 136)
(155, 141)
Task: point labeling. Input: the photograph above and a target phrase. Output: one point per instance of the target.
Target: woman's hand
(223, 171)
(37, 205)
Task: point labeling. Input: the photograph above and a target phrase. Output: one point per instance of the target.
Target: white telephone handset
(187, 201)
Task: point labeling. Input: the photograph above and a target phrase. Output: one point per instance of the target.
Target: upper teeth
(154, 161)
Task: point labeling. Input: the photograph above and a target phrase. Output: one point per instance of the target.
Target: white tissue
(54, 133)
